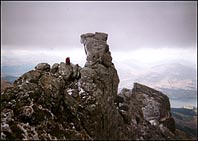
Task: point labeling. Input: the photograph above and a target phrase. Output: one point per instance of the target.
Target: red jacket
(67, 61)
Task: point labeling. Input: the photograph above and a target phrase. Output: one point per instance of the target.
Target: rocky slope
(5, 84)
(69, 102)
(186, 121)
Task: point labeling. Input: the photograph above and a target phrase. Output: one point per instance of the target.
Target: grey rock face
(155, 106)
(43, 67)
(68, 102)
(97, 49)
(65, 70)
(99, 81)
(99, 62)
(42, 105)
(149, 109)
(54, 68)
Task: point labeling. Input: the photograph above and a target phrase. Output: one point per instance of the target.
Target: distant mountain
(186, 121)
(10, 79)
(7, 81)
(176, 80)
(171, 76)
(15, 70)
(179, 93)
(184, 111)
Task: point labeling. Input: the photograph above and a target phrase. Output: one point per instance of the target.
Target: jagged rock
(76, 71)
(155, 105)
(126, 94)
(65, 70)
(96, 48)
(43, 67)
(68, 102)
(118, 100)
(29, 77)
(169, 123)
(39, 106)
(148, 108)
(100, 83)
(54, 68)
(101, 36)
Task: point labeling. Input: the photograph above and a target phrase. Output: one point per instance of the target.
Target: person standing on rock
(67, 61)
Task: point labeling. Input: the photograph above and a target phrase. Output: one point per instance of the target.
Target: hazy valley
(177, 81)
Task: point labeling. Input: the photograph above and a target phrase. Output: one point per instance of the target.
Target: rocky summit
(69, 102)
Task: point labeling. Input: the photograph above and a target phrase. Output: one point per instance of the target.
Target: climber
(67, 61)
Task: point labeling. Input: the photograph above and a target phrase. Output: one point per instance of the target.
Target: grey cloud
(129, 24)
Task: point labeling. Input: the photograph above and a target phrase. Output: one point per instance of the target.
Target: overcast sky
(41, 31)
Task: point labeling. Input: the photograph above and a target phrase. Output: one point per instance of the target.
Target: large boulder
(147, 108)
(155, 106)
(43, 67)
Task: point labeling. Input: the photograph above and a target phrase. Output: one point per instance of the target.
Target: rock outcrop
(99, 81)
(66, 101)
(155, 106)
(150, 105)
(99, 66)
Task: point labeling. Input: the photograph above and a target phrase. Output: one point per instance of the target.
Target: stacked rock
(97, 49)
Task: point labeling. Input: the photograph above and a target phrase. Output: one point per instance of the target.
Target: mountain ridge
(65, 101)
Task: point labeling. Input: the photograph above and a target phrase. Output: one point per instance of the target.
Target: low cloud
(35, 56)
(142, 56)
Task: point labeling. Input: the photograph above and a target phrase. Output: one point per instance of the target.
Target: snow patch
(69, 91)
(154, 122)
(5, 127)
